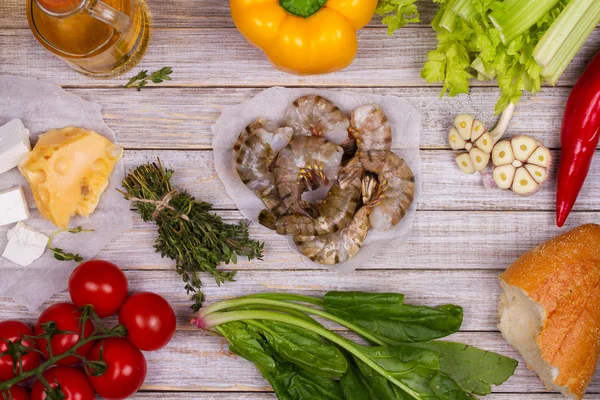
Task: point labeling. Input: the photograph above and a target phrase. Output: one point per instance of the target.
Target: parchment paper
(272, 103)
(43, 106)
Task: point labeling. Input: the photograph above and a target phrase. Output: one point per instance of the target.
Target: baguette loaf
(550, 309)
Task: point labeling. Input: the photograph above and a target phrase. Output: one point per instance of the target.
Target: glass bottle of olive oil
(100, 39)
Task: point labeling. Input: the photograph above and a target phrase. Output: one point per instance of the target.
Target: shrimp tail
(351, 171)
(267, 219)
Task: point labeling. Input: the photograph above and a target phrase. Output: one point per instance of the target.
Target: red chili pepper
(579, 139)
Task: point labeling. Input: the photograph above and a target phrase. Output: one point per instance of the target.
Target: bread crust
(563, 276)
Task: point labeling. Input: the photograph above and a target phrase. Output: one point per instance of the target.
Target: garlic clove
(456, 141)
(465, 163)
(480, 158)
(485, 143)
(464, 124)
(502, 154)
(538, 173)
(523, 147)
(541, 157)
(477, 130)
(524, 184)
(504, 176)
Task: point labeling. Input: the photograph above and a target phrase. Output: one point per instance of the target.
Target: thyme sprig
(197, 239)
(59, 253)
(17, 350)
(142, 78)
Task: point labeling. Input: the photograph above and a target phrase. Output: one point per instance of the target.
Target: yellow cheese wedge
(68, 171)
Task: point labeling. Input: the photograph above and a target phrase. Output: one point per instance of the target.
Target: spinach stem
(277, 305)
(285, 297)
(226, 317)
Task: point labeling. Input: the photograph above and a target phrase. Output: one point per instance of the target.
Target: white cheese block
(14, 144)
(25, 245)
(13, 206)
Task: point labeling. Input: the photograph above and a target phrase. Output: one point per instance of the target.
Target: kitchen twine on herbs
(161, 204)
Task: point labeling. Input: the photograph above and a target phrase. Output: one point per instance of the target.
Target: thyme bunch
(188, 233)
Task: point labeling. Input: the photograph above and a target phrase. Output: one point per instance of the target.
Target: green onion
(566, 36)
(516, 16)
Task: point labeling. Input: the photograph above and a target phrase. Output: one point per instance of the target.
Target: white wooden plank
(477, 291)
(440, 240)
(196, 55)
(185, 14)
(444, 186)
(182, 118)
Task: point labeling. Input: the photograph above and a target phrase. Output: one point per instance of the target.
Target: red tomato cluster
(150, 323)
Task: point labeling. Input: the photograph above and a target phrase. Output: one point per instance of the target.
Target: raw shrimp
(396, 192)
(335, 212)
(373, 134)
(254, 153)
(303, 164)
(316, 116)
(339, 246)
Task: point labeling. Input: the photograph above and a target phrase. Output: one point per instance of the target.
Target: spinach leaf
(354, 384)
(292, 383)
(417, 370)
(380, 385)
(475, 370)
(303, 348)
(244, 342)
(388, 318)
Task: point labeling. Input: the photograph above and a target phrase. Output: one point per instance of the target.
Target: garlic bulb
(470, 134)
(521, 164)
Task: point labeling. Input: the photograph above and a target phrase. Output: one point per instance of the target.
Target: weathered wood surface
(463, 237)
(221, 57)
(444, 186)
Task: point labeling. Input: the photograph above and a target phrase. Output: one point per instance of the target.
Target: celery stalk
(561, 29)
(519, 15)
(464, 8)
(555, 51)
(448, 20)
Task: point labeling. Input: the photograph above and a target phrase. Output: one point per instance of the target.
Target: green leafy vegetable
(474, 370)
(302, 359)
(303, 348)
(392, 321)
(514, 42)
(397, 13)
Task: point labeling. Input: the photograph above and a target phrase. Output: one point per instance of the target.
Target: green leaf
(418, 370)
(474, 370)
(355, 386)
(302, 8)
(303, 348)
(291, 383)
(392, 321)
(398, 13)
(244, 343)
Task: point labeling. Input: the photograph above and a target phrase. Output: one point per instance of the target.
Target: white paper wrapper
(271, 104)
(42, 107)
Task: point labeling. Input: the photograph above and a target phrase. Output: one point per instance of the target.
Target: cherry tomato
(17, 393)
(12, 331)
(101, 284)
(66, 316)
(73, 383)
(149, 319)
(125, 372)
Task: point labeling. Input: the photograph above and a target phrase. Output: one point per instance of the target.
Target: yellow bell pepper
(310, 44)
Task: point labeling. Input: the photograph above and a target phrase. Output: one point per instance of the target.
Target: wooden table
(464, 236)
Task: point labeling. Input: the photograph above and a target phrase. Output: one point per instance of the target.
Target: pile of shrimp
(371, 187)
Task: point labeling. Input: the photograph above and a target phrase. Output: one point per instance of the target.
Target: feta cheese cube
(25, 245)
(13, 206)
(14, 144)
